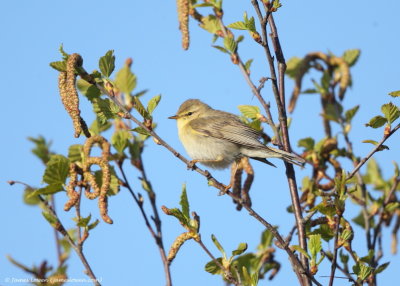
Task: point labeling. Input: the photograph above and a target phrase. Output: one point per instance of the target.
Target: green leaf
(373, 142)
(381, 268)
(239, 25)
(395, 93)
(213, 268)
(107, 63)
(344, 258)
(248, 64)
(140, 108)
(179, 215)
(87, 89)
(266, 240)
(349, 114)
(99, 126)
(309, 91)
(250, 111)
(48, 190)
(362, 271)
(308, 143)
(240, 249)
(125, 80)
(211, 24)
(93, 224)
(359, 220)
(60, 66)
(42, 148)
(29, 199)
(250, 23)
(104, 109)
(84, 221)
(57, 170)
(50, 218)
(333, 112)
(376, 122)
(293, 65)
(351, 56)
(184, 202)
(346, 235)
(391, 112)
(314, 245)
(75, 153)
(63, 53)
(152, 104)
(222, 49)
(390, 207)
(301, 250)
(230, 44)
(114, 183)
(218, 245)
(140, 130)
(120, 140)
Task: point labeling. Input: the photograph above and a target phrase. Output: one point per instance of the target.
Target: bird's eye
(189, 113)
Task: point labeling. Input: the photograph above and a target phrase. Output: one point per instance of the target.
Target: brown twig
(344, 271)
(334, 264)
(228, 274)
(56, 236)
(59, 226)
(278, 88)
(373, 151)
(157, 236)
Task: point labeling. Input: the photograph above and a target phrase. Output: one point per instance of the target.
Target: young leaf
(395, 93)
(120, 140)
(351, 56)
(125, 80)
(60, 66)
(222, 49)
(98, 126)
(42, 148)
(381, 267)
(250, 111)
(349, 114)
(50, 218)
(391, 112)
(293, 66)
(140, 130)
(93, 224)
(301, 250)
(184, 202)
(75, 153)
(230, 44)
(240, 249)
(218, 245)
(48, 190)
(57, 170)
(103, 108)
(140, 108)
(84, 221)
(107, 63)
(373, 142)
(87, 89)
(376, 122)
(314, 244)
(308, 143)
(239, 25)
(210, 23)
(248, 64)
(213, 268)
(153, 103)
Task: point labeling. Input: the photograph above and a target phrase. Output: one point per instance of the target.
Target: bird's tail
(288, 157)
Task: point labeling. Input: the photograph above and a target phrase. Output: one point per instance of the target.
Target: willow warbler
(216, 138)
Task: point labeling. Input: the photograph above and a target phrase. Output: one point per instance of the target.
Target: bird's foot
(225, 190)
(191, 164)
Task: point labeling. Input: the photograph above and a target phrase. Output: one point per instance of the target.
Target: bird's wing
(231, 129)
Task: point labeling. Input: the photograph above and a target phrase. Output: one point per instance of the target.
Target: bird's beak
(174, 117)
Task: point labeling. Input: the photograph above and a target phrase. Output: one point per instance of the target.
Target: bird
(217, 139)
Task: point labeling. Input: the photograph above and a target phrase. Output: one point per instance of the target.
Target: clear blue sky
(147, 31)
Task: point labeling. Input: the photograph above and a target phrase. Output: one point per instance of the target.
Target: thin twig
(60, 227)
(344, 271)
(373, 151)
(155, 235)
(56, 236)
(335, 250)
(228, 274)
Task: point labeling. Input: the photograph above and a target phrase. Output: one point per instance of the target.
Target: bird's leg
(191, 164)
